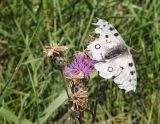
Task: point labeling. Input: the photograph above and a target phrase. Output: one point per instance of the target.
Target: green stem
(80, 119)
(64, 80)
(96, 102)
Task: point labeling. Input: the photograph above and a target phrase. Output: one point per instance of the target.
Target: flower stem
(94, 112)
(80, 119)
(64, 83)
(96, 102)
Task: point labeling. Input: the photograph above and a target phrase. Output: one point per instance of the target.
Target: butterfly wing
(109, 38)
(108, 32)
(127, 79)
(118, 62)
(121, 69)
(97, 49)
(108, 69)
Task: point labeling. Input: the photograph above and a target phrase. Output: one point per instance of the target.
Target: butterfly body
(116, 51)
(113, 56)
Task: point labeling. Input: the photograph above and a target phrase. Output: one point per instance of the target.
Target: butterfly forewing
(108, 32)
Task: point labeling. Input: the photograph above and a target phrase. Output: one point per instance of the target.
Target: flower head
(79, 100)
(82, 67)
(57, 55)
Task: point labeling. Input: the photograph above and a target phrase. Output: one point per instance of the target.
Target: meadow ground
(32, 91)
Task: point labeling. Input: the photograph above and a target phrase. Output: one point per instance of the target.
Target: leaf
(9, 116)
(53, 106)
(25, 121)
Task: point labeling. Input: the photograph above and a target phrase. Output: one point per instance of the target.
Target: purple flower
(82, 67)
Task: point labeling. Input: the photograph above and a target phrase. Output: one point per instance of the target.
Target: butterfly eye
(97, 46)
(110, 69)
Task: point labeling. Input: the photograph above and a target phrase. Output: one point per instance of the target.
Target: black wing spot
(130, 64)
(116, 34)
(110, 69)
(132, 72)
(122, 68)
(101, 56)
(130, 80)
(97, 46)
(106, 36)
(104, 25)
(113, 77)
(111, 28)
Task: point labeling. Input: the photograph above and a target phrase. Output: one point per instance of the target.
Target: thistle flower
(82, 67)
(78, 74)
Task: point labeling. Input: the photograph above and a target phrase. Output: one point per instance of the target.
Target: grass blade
(53, 106)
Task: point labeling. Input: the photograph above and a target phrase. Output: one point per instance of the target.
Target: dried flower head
(79, 100)
(55, 50)
(82, 67)
(78, 84)
(57, 54)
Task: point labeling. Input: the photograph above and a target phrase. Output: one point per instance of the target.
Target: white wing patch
(121, 69)
(97, 49)
(117, 60)
(108, 32)
(108, 69)
(127, 79)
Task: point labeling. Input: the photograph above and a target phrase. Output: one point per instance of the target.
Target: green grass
(32, 91)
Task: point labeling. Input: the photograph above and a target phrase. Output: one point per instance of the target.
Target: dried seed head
(76, 87)
(79, 100)
(78, 81)
(57, 55)
(55, 50)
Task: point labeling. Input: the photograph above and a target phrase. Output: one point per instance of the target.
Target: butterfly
(113, 57)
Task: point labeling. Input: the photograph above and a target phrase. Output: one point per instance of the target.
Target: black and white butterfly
(113, 56)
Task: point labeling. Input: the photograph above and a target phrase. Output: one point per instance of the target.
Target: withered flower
(79, 100)
(57, 55)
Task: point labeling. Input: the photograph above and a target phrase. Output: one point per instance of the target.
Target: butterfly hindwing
(123, 72)
(107, 69)
(127, 79)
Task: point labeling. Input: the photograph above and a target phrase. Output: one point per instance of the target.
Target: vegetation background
(32, 91)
